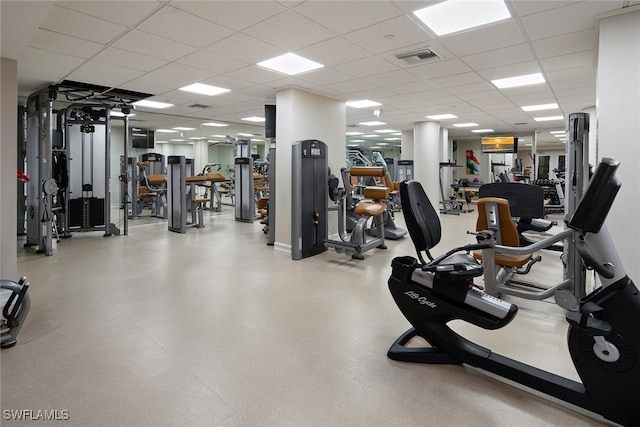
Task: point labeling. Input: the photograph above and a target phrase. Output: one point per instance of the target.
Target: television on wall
(499, 144)
(143, 138)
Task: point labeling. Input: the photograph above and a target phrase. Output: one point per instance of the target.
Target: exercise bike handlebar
(605, 270)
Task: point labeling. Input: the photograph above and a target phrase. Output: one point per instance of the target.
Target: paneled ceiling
(157, 47)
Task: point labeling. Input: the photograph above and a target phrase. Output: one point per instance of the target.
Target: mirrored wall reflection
(210, 143)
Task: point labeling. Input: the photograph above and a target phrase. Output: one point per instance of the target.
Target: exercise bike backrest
(420, 217)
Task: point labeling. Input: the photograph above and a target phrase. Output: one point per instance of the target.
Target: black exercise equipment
(15, 302)
(603, 337)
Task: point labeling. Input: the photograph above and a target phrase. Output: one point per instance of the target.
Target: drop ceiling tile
(585, 82)
(113, 10)
(45, 57)
(500, 57)
(524, 8)
(100, 68)
(183, 27)
(137, 61)
(366, 67)
(175, 75)
(351, 86)
(391, 35)
(374, 93)
(511, 70)
(152, 45)
(565, 44)
(145, 87)
(475, 90)
(458, 79)
(289, 31)
(418, 86)
(324, 76)
(255, 74)
(75, 24)
(96, 79)
(61, 43)
(333, 51)
(495, 36)
(392, 78)
(587, 72)
(437, 69)
(571, 60)
(538, 98)
(237, 15)
(211, 61)
(343, 17)
(41, 72)
(228, 81)
(245, 48)
(568, 19)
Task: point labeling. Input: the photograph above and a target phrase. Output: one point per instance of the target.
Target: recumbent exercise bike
(603, 337)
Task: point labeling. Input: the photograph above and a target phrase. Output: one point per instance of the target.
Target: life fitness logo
(420, 299)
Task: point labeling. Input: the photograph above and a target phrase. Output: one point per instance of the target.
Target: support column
(406, 142)
(8, 155)
(200, 154)
(593, 135)
(446, 156)
(427, 158)
(618, 124)
(303, 115)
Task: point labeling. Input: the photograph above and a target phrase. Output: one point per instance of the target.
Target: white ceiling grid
(159, 46)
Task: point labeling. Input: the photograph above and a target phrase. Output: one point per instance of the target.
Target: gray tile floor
(213, 327)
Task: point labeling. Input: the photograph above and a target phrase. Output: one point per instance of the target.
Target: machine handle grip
(605, 270)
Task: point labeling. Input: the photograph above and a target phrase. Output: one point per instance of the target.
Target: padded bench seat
(370, 208)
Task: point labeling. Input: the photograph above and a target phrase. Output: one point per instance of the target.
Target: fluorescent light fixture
(557, 132)
(290, 64)
(120, 114)
(219, 136)
(357, 140)
(204, 89)
(482, 130)
(385, 130)
(183, 128)
(442, 117)
(370, 136)
(397, 133)
(353, 133)
(465, 125)
(166, 131)
(540, 107)
(191, 143)
(244, 134)
(373, 123)
(548, 118)
(257, 140)
(162, 142)
(353, 145)
(215, 124)
(254, 119)
(457, 15)
(525, 80)
(177, 140)
(363, 103)
(152, 104)
(389, 139)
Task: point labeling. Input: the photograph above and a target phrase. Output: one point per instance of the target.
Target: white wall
(8, 160)
(618, 109)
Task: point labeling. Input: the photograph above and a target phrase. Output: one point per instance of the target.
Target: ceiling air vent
(418, 56)
(201, 106)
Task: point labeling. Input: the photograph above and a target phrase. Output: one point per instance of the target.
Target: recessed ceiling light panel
(465, 125)
(482, 130)
(204, 89)
(152, 104)
(363, 103)
(254, 119)
(458, 15)
(525, 80)
(290, 64)
(215, 124)
(548, 118)
(442, 117)
(540, 107)
(372, 123)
